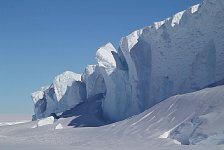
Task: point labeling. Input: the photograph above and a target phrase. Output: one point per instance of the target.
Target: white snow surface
(13, 123)
(189, 121)
(59, 127)
(45, 121)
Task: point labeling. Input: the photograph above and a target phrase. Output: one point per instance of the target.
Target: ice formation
(181, 54)
(65, 92)
(45, 121)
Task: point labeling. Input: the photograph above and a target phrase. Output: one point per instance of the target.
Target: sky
(40, 39)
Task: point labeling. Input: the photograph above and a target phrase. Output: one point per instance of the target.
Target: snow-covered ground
(13, 123)
(13, 119)
(191, 121)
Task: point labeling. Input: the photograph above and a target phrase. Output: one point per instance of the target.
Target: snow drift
(189, 119)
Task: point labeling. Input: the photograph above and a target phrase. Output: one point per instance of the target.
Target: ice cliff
(64, 93)
(181, 54)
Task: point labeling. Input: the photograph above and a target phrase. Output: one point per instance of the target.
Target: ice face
(66, 91)
(61, 83)
(94, 81)
(180, 54)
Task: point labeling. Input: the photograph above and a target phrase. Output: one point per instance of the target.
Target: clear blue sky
(42, 38)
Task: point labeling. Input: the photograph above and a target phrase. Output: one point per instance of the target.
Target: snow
(14, 119)
(59, 127)
(165, 135)
(202, 108)
(45, 121)
(194, 8)
(36, 96)
(12, 123)
(177, 18)
(86, 114)
(33, 127)
(201, 114)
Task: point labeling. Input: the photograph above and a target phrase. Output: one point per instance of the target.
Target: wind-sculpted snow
(180, 54)
(66, 91)
(202, 117)
(179, 122)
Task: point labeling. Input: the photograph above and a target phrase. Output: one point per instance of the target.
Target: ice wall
(65, 92)
(180, 54)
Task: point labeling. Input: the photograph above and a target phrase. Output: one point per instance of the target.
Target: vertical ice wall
(66, 91)
(180, 54)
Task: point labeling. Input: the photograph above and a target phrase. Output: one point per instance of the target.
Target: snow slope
(194, 120)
